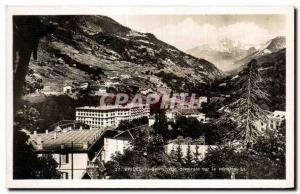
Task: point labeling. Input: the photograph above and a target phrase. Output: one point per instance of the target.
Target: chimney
(46, 131)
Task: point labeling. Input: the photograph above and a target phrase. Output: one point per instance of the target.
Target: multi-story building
(276, 119)
(111, 115)
(81, 153)
(73, 150)
(273, 122)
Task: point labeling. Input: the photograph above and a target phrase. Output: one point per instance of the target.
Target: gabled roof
(129, 133)
(66, 141)
(124, 135)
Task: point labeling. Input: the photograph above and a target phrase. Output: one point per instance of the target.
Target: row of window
(81, 118)
(103, 115)
(101, 111)
(275, 123)
(99, 123)
(95, 119)
(96, 114)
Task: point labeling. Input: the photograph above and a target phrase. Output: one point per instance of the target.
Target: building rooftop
(125, 135)
(70, 140)
(278, 114)
(111, 107)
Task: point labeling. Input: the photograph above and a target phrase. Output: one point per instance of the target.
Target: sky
(188, 31)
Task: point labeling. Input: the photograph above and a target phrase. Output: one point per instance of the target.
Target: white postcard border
(201, 183)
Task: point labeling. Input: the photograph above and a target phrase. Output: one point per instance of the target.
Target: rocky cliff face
(272, 46)
(97, 49)
(223, 54)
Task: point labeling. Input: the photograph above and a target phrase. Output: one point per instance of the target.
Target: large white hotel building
(111, 115)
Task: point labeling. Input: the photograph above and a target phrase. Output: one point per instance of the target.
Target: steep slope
(98, 49)
(272, 68)
(223, 54)
(272, 46)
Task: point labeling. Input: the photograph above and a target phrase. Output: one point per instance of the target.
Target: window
(64, 159)
(64, 175)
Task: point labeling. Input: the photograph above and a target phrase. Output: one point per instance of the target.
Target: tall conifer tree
(246, 109)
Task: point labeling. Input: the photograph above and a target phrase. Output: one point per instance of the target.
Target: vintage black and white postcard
(150, 97)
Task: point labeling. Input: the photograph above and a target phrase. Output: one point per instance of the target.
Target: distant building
(170, 116)
(84, 85)
(151, 121)
(202, 99)
(111, 115)
(195, 145)
(47, 90)
(67, 89)
(276, 119)
(261, 126)
(67, 125)
(146, 91)
(73, 150)
(192, 113)
(101, 91)
(200, 117)
(272, 123)
(110, 84)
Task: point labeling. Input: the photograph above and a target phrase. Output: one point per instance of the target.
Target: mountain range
(224, 53)
(97, 49)
(231, 56)
(272, 69)
(272, 46)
